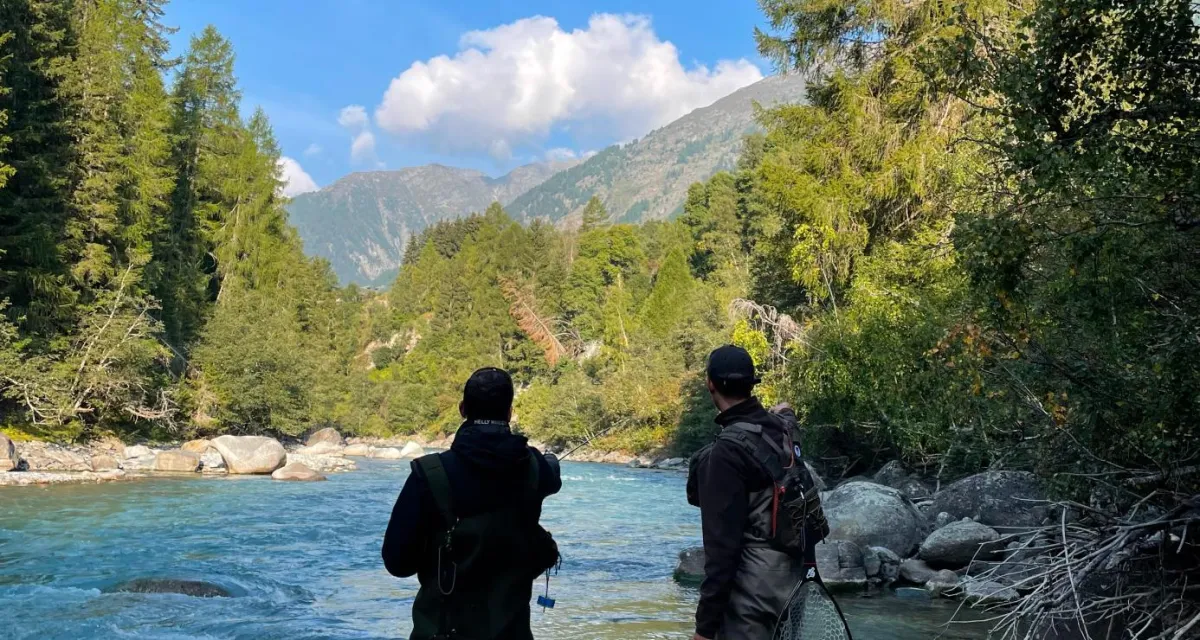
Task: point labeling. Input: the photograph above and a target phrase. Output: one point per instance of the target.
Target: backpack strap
(750, 438)
(439, 485)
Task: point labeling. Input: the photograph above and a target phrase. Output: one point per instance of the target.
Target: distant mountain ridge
(361, 222)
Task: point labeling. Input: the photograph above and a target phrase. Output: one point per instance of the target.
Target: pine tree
(208, 134)
(34, 273)
(594, 215)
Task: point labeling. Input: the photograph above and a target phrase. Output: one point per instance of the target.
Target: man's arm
(724, 504)
(407, 531)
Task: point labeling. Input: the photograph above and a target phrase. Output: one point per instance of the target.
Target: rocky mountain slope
(647, 179)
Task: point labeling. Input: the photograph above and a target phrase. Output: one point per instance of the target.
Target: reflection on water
(304, 559)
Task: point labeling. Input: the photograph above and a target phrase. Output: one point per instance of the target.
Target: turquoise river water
(302, 560)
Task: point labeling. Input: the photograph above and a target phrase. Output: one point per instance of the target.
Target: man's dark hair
(734, 389)
(488, 395)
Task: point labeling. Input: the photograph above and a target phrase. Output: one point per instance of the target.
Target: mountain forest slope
(362, 222)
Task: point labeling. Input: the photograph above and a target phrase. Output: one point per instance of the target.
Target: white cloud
(313, 149)
(515, 83)
(362, 148)
(353, 117)
(295, 179)
(560, 153)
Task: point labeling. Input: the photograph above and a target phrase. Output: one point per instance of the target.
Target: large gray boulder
(212, 463)
(944, 582)
(1004, 499)
(915, 571)
(387, 453)
(840, 563)
(872, 515)
(296, 472)
(105, 462)
(881, 563)
(8, 454)
(196, 446)
(358, 450)
(955, 545)
(250, 454)
(328, 434)
(324, 464)
(322, 449)
(177, 462)
(137, 451)
(690, 570)
(894, 475)
(412, 450)
(43, 456)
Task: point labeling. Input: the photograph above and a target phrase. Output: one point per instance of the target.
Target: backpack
(797, 520)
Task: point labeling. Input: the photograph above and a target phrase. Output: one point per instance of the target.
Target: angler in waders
(760, 513)
(466, 523)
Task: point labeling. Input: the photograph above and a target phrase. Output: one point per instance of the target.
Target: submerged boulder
(995, 498)
(690, 570)
(177, 462)
(327, 435)
(955, 545)
(295, 471)
(872, 515)
(195, 588)
(250, 454)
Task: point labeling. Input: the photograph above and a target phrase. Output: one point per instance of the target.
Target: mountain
(361, 222)
(648, 179)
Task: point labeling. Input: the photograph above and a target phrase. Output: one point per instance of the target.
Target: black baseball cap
(731, 364)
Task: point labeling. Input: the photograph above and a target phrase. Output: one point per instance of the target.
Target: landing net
(811, 614)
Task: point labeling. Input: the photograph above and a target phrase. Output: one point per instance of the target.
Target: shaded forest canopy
(979, 245)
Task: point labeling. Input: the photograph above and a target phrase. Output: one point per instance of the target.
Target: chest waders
(480, 581)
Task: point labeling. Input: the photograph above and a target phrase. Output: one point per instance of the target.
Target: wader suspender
(443, 498)
(739, 433)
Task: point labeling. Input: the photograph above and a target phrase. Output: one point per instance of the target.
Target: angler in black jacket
(746, 582)
(466, 523)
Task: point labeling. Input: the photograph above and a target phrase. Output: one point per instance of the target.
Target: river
(302, 560)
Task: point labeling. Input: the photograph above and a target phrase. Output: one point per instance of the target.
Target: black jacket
(487, 470)
(722, 491)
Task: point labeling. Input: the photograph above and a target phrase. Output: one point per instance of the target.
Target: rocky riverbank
(325, 451)
(975, 539)
(29, 463)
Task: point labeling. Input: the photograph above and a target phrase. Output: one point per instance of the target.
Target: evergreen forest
(978, 245)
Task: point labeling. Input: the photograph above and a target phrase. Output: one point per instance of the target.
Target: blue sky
(482, 84)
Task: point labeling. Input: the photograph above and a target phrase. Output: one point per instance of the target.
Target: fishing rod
(588, 441)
